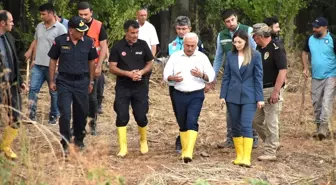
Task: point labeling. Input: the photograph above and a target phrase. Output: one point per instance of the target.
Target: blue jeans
(241, 119)
(40, 74)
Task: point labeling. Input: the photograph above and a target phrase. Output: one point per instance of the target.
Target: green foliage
(201, 182)
(255, 11)
(258, 182)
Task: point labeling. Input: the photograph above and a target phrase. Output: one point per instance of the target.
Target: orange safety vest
(93, 33)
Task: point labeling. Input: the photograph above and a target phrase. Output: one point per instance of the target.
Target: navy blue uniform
(73, 82)
(128, 92)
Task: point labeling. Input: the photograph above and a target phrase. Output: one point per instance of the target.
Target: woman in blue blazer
(242, 91)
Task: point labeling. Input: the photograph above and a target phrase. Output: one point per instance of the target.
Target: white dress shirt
(240, 61)
(147, 33)
(180, 62)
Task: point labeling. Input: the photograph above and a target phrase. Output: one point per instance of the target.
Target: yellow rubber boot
(184, 139)
(143, 140)
(248, 142)
(239, 147)
(7, 139)
(191, 136)
(122, 136)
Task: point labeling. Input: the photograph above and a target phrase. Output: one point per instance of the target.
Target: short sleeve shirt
(130, 57)
(323, 55)
(73, 59)
(45, 38)
(148, 33)
(273, 59)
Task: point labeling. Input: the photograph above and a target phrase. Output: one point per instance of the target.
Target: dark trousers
(241, 118)
(100, 89)
(171, 94)
(188, 109)
(73, 92)
(136, 94)
(12, 98)
(93, 102)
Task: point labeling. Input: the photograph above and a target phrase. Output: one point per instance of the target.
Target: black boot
(93, 127)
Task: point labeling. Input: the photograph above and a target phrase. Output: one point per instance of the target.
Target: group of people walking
(70, 59)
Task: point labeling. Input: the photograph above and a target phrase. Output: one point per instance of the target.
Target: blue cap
(320, 21)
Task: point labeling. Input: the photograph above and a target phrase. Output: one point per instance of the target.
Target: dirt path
(301, 159)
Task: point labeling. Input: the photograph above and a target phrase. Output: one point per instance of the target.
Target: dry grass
(302, 160)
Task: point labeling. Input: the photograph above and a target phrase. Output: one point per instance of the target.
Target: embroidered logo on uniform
(66, 47)
(266, 55)
(326, 41)
(138, 53)
(123, 53)
(174, 43)
(81, 23)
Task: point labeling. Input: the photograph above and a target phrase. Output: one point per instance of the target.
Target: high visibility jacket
(93, 33)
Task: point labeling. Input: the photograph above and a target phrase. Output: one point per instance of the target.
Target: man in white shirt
(147, 31)
(190, 70)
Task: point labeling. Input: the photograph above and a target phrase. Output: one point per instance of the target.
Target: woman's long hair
(247, 48)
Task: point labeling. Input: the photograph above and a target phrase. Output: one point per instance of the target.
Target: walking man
(189, 69)
(131, 60)
(182, 27)
(76, 54)
(45, 34)
(11, 84)
(98, 33)
(322, 47)
(266, 120)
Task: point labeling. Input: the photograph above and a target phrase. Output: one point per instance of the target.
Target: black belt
(73, 77)
(189, 92)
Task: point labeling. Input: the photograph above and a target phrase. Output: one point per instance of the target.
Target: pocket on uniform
(84, 53)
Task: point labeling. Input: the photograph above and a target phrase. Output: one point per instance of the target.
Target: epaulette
(275, 46)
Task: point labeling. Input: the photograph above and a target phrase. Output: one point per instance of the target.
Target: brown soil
(301, 159)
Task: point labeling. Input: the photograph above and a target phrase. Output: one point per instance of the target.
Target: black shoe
(100, 109)
(32, 117)
(52, 120)
(65, 149)
(178, 146)
(79, 144)
(93, 127)
(227, 144)
(255, 143)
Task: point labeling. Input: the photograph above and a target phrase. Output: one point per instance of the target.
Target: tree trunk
(165, 32)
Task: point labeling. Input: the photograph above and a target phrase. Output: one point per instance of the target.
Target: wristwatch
(92, 82)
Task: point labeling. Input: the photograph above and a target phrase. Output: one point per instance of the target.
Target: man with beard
(273, 23)
(98, 34)
(322, 47)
